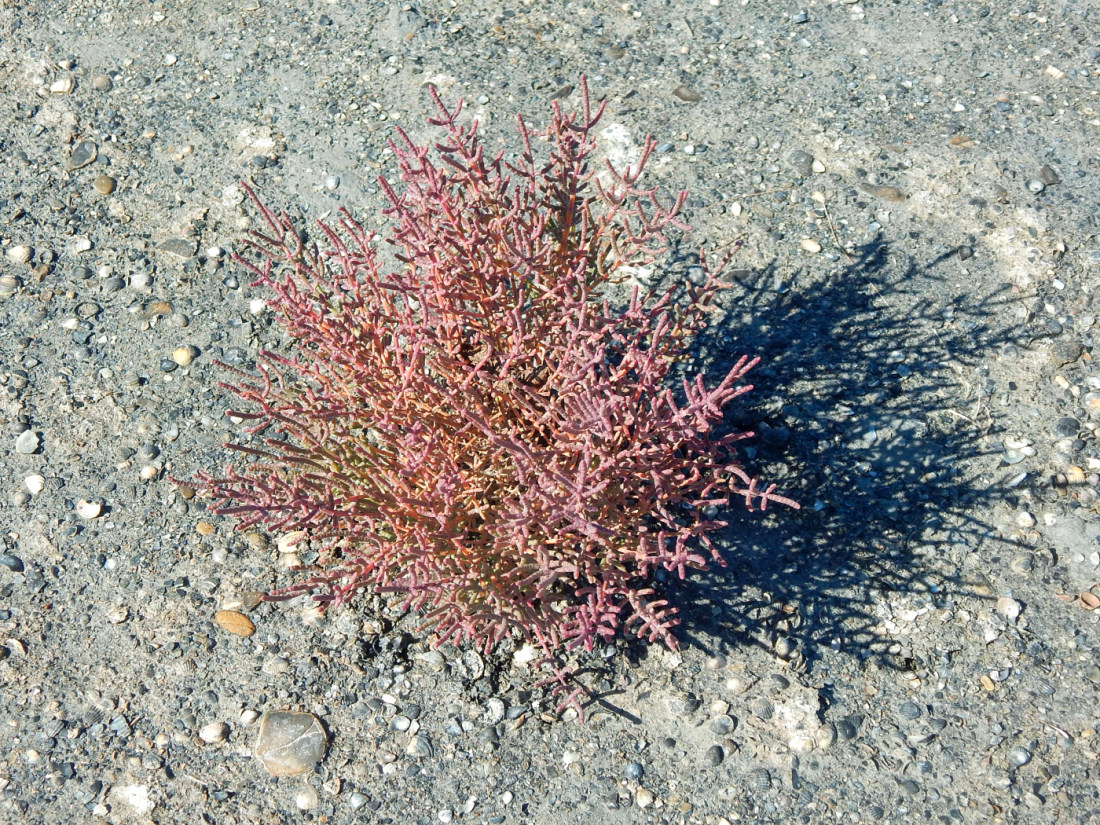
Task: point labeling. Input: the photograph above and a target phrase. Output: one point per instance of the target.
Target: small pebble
(1018, 757)
(104, 184)
(801, 162)
(1065, 352)
(306, 799)
(1009, 608)
(289, 742)
(102, 83)
(845, 730)
(714, 756)
(811, 246)
(83, 154)
(27, 443)
(909, 710)
(644, 798)
(235, 622)
(117, 614)
(184, 355)
(13, 564)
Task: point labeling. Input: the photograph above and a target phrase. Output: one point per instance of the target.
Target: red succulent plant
(482, 429)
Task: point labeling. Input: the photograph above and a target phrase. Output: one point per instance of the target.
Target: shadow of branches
(868, 407)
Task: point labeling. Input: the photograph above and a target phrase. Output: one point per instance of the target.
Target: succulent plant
(484, 429)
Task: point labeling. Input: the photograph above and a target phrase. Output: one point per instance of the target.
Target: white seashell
(88, 509)
(288, 543)
(62, 86)
(526, 654)
(494, 711)
(20, 253)
(801, 743)
(214, 733)
(35, 483)
(1014, 443)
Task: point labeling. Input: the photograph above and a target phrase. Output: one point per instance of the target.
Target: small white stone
(133, 797)
(1025, 519)
(249, 716)
(306, 799)
(88, 509)
(257, 306)
(148, 472)
(118, 614)
(818, 166)
(170, 60)
(1009, 608)
(184, 355)
(35, 483)
(644, 797)
(526, 654)
(27, 442)
(810, 245)
(62, 86)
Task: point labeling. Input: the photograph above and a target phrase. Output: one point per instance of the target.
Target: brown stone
(234, 622)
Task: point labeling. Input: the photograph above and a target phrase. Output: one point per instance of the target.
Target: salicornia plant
(481, 429)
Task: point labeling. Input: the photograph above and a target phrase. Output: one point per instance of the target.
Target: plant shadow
(864, 414)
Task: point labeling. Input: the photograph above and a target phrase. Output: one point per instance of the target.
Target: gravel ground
(916, 184)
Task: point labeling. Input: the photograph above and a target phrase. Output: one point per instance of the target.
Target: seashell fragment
(288, 543)
(88, 509)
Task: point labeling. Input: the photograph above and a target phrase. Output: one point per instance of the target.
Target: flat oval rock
(290, 742)
(180, 247)
(83, 154)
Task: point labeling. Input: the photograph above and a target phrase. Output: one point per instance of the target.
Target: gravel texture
(917, 187)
